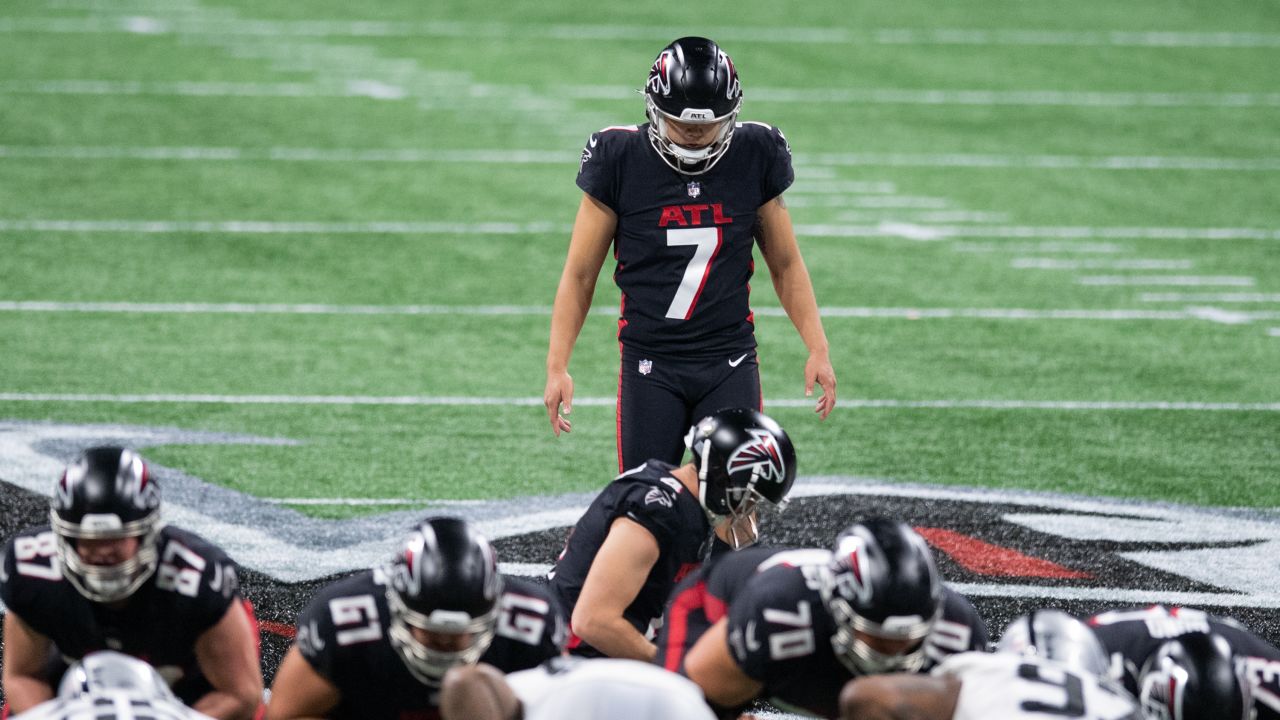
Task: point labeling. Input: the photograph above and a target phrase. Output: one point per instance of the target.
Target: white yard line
(471, 401)
(832, 95)
(880, 230)
(287, 154)
(1211, 297)
(892, 202)
(1274, 332)
(116, 22)
(1033, 263)
(571, 156)
(907, 313)
(1042, 247)
(1177, 280)
(1043, 162)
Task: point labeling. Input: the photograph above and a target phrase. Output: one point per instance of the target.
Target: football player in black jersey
(683, 198)
(1133, 636)
(376, 645)
(654, 524)
(798, 626)
(110, 575)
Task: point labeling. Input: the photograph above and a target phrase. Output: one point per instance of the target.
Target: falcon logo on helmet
(761, 455)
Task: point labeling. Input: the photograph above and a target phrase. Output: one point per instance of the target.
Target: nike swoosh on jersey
(736, 363)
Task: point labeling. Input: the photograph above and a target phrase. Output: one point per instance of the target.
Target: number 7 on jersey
(707, 243)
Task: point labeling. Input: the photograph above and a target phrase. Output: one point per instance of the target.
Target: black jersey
(652, 497)
(343, 634)
(1132, 635)
(189, 593)
(702, 598)
(683, 243)
(779, 634)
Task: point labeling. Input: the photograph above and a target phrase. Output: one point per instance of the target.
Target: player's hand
(559, 393)
(817, 369)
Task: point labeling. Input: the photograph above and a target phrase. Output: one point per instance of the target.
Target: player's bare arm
(25, 651)
(228, 657)
(617, 574)
(588, 245)
(899, 696)
(710, 665)
(477, 692)
(299, 692)
(776, 238)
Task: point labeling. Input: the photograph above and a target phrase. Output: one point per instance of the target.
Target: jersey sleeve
(29, 566)
(315, 637)
(598, 170)
(654, 508)
(770, 626)
(779, 174)
(960, 629)
(200, 573)
(530, 630)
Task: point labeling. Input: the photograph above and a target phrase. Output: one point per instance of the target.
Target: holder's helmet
(743, 458)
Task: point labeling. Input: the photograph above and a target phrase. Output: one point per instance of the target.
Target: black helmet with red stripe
(743, 458)
(692, 81)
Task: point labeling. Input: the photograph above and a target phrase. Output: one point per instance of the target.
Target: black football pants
(660, 397)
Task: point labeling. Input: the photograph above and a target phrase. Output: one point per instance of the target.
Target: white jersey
(607, 689)
(1005, 686)
(110, 705)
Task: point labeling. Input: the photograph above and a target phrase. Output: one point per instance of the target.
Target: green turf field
(1046, 236)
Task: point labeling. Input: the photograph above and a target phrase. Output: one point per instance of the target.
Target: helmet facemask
(428, 664)
(107, 583)
(685, 160)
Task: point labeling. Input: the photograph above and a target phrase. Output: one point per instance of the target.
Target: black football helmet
(692, 81)
(444, 579)
(106, 493)
(1058, 636)
(743, 458)
(1194, 677)
(881, 581)
(110, 671)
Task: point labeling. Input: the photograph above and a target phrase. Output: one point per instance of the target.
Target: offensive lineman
(376, 645)
(793, 627)
(1133, 636)
(109, 574)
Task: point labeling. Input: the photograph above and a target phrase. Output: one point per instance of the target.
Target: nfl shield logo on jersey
(646, 367)
(695, 189)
